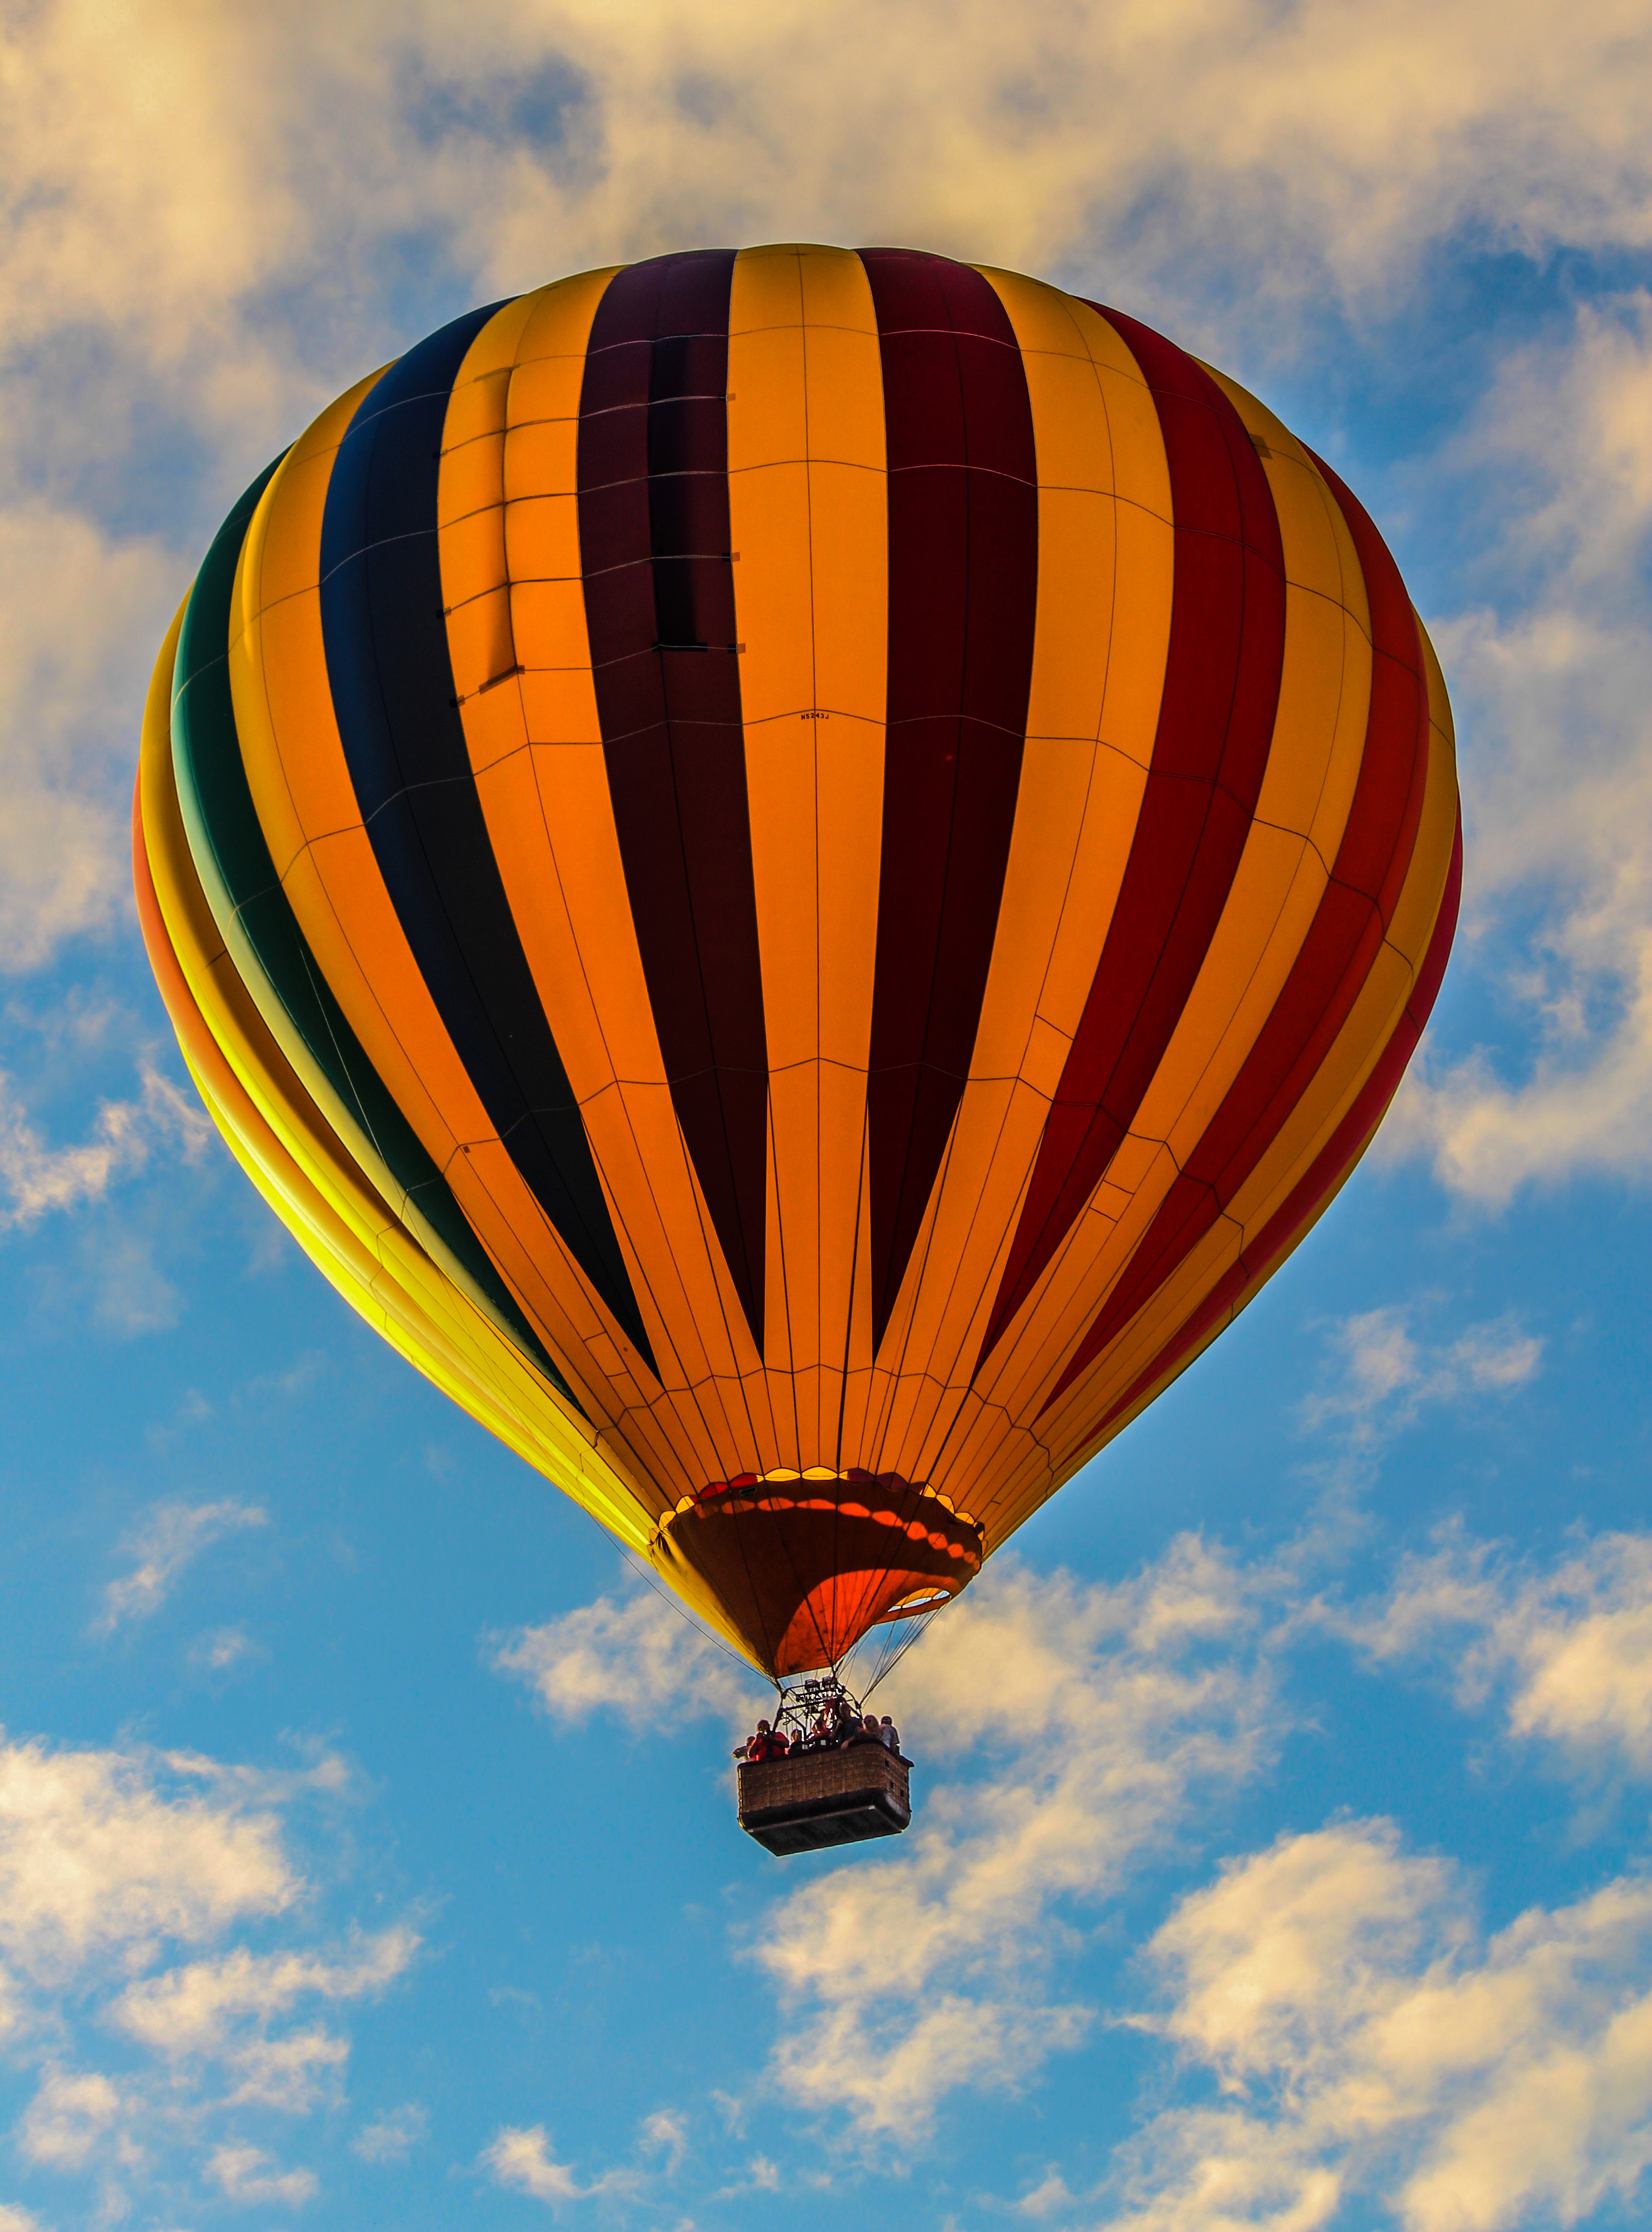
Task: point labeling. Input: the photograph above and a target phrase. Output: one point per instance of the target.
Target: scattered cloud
(1553, 680)
(1046, 2198)
(1569, 1647)
(394, 2137)
(1108, 1716)
(173, 1535)
(666, 2132)
(1344, 141)
(67, 2118)
(520, 2159)
(105, 1852)
(1387, 1374)
(128, 1884)
(221, 2009)
(1364, 2038)
(39, 1179)
(1075, 1734)
(82, 615)
(224, 1648)
(622, 1655)
(244, 2175)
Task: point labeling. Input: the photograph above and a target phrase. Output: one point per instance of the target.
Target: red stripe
(1336, 956)
(654, 527)
(963, 588)
(1221, 688)
(1331, 1168)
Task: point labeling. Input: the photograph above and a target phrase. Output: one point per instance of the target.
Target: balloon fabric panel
(963, 529)
(653, 526)
(853, 849)
(1221, 686)
(1330, 969)
(393, 685)
(303, 1171)
(238, 881)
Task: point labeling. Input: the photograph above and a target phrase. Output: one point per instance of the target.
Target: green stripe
(258, 926)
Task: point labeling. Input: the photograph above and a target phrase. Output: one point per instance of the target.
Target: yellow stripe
(306, 804)
(308, 1176)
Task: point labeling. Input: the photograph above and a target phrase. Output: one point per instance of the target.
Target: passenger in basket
(757, 1747)
(868, 1731)
(890, 1734)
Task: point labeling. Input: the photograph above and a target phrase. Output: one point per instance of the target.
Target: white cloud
(1342, 139)
(1046, 2198)
(1109, 1713)
(623, 1656)
(1364, 2039)
(67, 2118)
(1570, 1645)
(666, 2132)
(243, 2174)
(1387, 1374)
(82, 615)
(1552, 687)
(40, 1179)
(520, 2159)
(123, 1879)
(172, 1536)
(192, 2009)
(224, 1648)
(222, 2009)
(100, 1854)
(13, 2219)
(393, 2139)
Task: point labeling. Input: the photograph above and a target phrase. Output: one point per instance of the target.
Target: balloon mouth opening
(804, 1563)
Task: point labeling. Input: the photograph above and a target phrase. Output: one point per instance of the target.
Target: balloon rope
(683, 1612)
(920, 1627)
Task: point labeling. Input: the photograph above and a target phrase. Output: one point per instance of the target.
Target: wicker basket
(802, 1804)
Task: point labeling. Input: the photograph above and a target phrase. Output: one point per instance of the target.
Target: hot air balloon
(798, 871)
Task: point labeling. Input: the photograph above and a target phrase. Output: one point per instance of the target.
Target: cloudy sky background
(367, 1850)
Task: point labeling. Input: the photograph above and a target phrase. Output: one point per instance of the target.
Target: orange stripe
(807, 513)
(307, 806)
(534, 745)
(1313, 765)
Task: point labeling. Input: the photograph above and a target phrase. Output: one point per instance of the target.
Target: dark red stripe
(1336, 956)
(654, 529)
(1221, 691)
(1330, 1169)
(962, 592)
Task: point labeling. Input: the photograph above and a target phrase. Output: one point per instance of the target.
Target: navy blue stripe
(206, 752)
(393, 693)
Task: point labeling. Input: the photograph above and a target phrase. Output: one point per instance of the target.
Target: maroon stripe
(1336, 956)
(1330, 1169)
(963, 588)
(1221, 688)
(654, 529)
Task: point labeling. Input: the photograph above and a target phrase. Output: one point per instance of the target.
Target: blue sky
(367, 1843)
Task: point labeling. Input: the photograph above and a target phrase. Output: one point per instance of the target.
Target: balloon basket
(807, 1803)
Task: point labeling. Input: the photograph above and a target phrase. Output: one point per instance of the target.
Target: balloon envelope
(798, 871)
